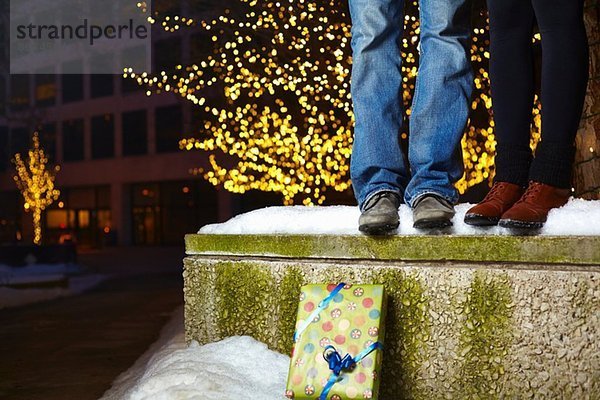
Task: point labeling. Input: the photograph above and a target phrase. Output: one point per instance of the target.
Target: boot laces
(494, 190)
(375, 199)
(532, 191)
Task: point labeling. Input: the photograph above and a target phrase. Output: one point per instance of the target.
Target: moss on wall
(485, 336)
(407, 332)
(244, 300)
(288, 295)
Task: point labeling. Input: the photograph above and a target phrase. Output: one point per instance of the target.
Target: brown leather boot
(499, 199)
(531, 211)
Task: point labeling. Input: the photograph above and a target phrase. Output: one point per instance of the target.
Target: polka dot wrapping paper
(352, 321)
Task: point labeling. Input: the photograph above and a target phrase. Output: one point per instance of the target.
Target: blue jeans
(440, 105)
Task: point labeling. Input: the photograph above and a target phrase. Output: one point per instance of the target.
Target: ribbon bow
(336, 363)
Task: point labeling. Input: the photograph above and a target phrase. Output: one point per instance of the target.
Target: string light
(284, 113)
(36, 182)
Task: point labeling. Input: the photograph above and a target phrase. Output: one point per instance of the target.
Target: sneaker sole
(375, 230)
(432, 224)
(480, 220)
(514, 224)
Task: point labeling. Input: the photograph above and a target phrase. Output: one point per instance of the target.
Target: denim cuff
(414, 200)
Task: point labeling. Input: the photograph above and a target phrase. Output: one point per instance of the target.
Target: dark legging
(564, 81)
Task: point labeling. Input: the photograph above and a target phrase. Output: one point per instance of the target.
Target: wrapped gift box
(351, 321)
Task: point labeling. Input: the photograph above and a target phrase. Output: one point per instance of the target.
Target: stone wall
(456, 327)
(587, 161)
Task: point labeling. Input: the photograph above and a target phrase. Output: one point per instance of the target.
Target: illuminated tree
(283, 110)
(35, 180)
(283, 113)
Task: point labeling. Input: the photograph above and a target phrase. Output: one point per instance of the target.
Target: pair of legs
(564, 81)
(440, 105)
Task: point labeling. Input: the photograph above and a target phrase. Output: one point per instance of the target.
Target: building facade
(123, 178)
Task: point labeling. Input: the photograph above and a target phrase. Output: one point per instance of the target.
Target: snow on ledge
(577, 218)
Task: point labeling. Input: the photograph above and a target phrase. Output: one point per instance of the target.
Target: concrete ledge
(524, 249)
(468, 317)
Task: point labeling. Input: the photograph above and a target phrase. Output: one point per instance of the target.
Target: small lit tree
(35, 180)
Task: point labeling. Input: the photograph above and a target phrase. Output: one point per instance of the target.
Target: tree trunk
(587, 159)
(37, 226)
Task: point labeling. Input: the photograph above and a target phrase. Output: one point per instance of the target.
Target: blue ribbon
(322, 305)
(337, 364)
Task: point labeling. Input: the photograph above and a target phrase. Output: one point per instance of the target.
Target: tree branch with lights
(35, 180)
(283, 111)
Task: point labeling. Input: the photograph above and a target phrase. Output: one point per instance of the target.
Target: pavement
(75, 347)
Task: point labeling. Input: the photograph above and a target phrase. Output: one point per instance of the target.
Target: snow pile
(236, 368)
(10, 297)
(36, 273)
(578, 217)
(34, 283)
(34, 269)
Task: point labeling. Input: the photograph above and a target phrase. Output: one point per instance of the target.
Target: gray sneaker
(431, 212)
(380, 214)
